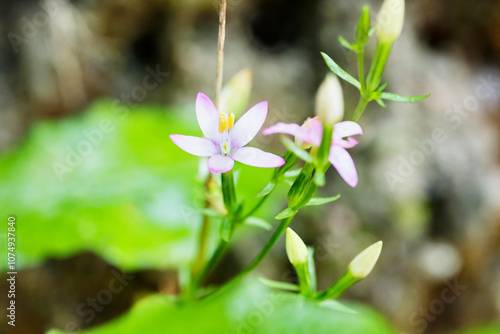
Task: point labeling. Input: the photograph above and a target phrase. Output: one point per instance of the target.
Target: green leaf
(363, 28)
(210, 212)
(339, 71)
(266, 190)
(258, 222)
(401, 98)
(278, 312)
(322, 200)
(381, 103)
(285, 214)
(345, 43)
(302, 154)
(382, 87)
(279, 285)
(337, 306)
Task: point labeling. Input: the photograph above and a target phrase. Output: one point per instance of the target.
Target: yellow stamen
(222, 123)
(230, 121)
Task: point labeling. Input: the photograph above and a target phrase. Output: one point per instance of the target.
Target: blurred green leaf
(249, 308)
(322, 200)
(279, 285)
(493, 328)
(112, 183)
(258, 222)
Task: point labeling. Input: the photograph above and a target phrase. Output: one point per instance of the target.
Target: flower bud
(236, 93)
(390, 20)
(295, 248)
(329, 101)
(364, 262)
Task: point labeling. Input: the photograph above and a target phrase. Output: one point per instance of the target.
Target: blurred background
(90, 91)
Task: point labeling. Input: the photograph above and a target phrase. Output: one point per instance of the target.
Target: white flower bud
(390, 20)
(364, 262)
(330, 101)
(295, 248)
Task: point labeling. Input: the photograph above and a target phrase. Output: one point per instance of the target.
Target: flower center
(226, 123)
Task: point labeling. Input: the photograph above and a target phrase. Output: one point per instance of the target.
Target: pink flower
(225, 140)
(311, 132)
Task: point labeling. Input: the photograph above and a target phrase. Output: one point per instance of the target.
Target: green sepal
(401, 98)
(340, 72)
(322, 200)
(279, 285)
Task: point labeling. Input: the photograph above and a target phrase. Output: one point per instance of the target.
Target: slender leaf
(279, 285)
(381, 103)
(322, 200)
(345, 43)
(266, 190)
(285, 214)
(258, 222)
(401, 98)
(340, 72)
(337, 306)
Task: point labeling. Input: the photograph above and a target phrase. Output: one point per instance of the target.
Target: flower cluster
(225, 141)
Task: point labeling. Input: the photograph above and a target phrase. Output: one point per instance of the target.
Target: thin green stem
(211, 264)
(203, 236)
(363, 101)
(267, 248)
(338, 287)
(228, 192)
(256, 207)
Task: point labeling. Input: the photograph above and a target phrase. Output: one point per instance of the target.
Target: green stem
(256, 261)
(269, 245)
(363, 101)
(256, 207)
(228, 192)
(339, 287)
(211, 264)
